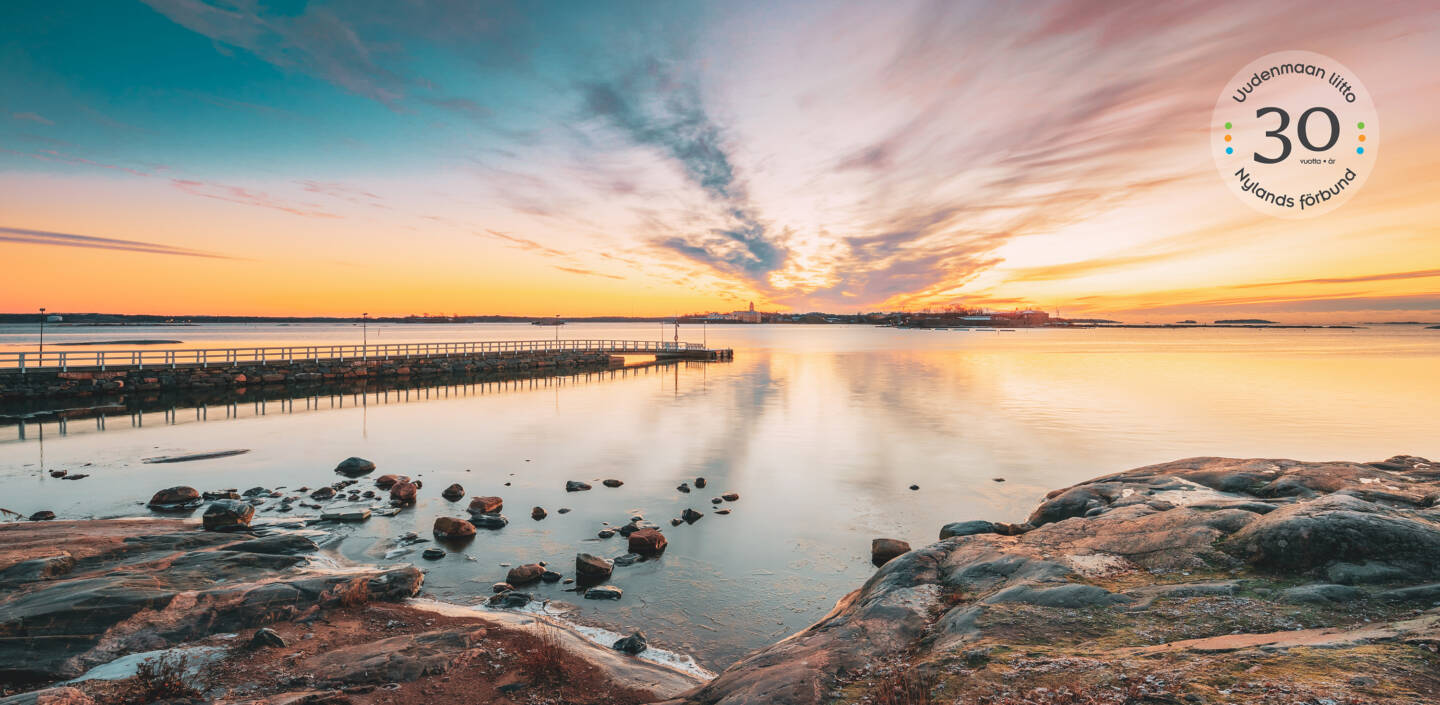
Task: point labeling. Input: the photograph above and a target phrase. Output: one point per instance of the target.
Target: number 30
(1299, 130)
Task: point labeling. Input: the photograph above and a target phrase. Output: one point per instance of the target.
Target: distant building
(750, 316)
(53, 319)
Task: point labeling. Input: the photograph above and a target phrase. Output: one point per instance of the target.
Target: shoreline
(1166, 582)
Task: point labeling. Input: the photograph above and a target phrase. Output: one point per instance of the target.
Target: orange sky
(837, 157)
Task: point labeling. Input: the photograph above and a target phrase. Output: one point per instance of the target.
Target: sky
(282, 157)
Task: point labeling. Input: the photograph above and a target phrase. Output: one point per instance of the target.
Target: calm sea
(821, 429)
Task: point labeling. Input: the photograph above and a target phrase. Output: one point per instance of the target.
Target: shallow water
(821, 429)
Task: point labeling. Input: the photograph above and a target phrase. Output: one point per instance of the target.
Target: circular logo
(1295, 134)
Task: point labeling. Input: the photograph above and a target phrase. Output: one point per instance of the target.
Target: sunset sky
(450, 156)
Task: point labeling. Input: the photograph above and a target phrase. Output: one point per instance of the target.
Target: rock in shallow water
(42, 515)
(454, 493)
(883, 551)
(576, 486)
(588, 567)
(612, 483)
(486, 505)
(647, 542)
(453, 528)
(433, 554)
(525, 574)
(604, 592)
(174, 499)
(633, 644)
(966, 528)
(355, 467)
(489, 521)
(228, 515)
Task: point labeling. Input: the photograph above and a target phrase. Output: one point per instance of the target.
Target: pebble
(433, 554)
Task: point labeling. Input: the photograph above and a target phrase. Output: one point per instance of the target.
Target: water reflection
(821, 430)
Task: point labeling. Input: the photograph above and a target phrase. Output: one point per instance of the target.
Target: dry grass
(544, 657)
(908, 687)
(159, 679)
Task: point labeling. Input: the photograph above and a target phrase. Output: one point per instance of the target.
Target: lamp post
(365, 340)
(42, 335)
(557, 330)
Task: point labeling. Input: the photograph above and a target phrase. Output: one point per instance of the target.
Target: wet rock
(731, 496)
(512, 599)
(633, 644)
(588, 567)
(486, 505)
(277, 545)
(612, 483)
(550, 576)
(677, 521)
(42, 515)
(219, 494)
(914, 487)
(228, 515)
(538, 513)
(266, 637)
(489, 521)
(647, 542)
(628, 559)
(576, 486)
(254, 492)
(346, 515)
(501, 587)
(1338, 528)
(683, 487)
(722, 512)
(58, 473)
(604, 592)
(700, 482)
(605, 533)
(563, 510)
(175, 499)
(452, 528)
(433, 554)
(716, 500)
(636, 525)
(525, 574)
(75, 476)
(403, 493)
(966, 528)
(355, 467)
(882, 551)
(454, 493)
(385, 482)
(323, 494)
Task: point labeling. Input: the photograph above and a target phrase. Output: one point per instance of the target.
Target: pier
(32, 375)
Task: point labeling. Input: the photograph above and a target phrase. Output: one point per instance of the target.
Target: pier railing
(64, 360)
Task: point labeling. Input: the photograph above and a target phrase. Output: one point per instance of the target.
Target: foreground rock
(883, 551)
(175, 499)
(355, 467)
(122, 586)
(1205, 580)
(228, 515)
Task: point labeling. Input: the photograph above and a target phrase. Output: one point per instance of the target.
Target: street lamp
(42, 335)
(557, 330)
(365, 340)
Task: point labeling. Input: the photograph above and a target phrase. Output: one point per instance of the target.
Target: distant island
(1245, 321)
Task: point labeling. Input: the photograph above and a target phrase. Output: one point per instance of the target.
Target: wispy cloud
(248, 197)
(32, 117)
(45, 237)
(654, 108)
(589, 272)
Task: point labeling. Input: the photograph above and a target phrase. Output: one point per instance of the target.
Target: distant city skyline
(643, 159)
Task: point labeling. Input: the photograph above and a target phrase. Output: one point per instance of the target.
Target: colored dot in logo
(1227, 125)
(1227, 138)
(1360, 125)
(1229, 150)
(1359, 150)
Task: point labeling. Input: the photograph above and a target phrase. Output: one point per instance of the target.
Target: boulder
(537, 513)
(683, 487)
(612, 483)
(576, 486)
(1338, 528)
(501, 587)
(265, 637)
(551, 576)
(174, 499)
(453, 528)
(404, 492)
(700, 482)
(966, 528)
(525, 574)
(42, 515)
(605, 533)
(486, 505)
(633, 644)
(228, 515)
(433, 554)
(882, 551)
(489, 521)
(454, 493)
(730, 496)
(323, 494)
(604, 592)
(512, 599)
(355, 467)
(647, 542)
(588, 567)
(385, 482)
(276, 545)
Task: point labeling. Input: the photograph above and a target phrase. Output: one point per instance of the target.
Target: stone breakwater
(44, 383)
